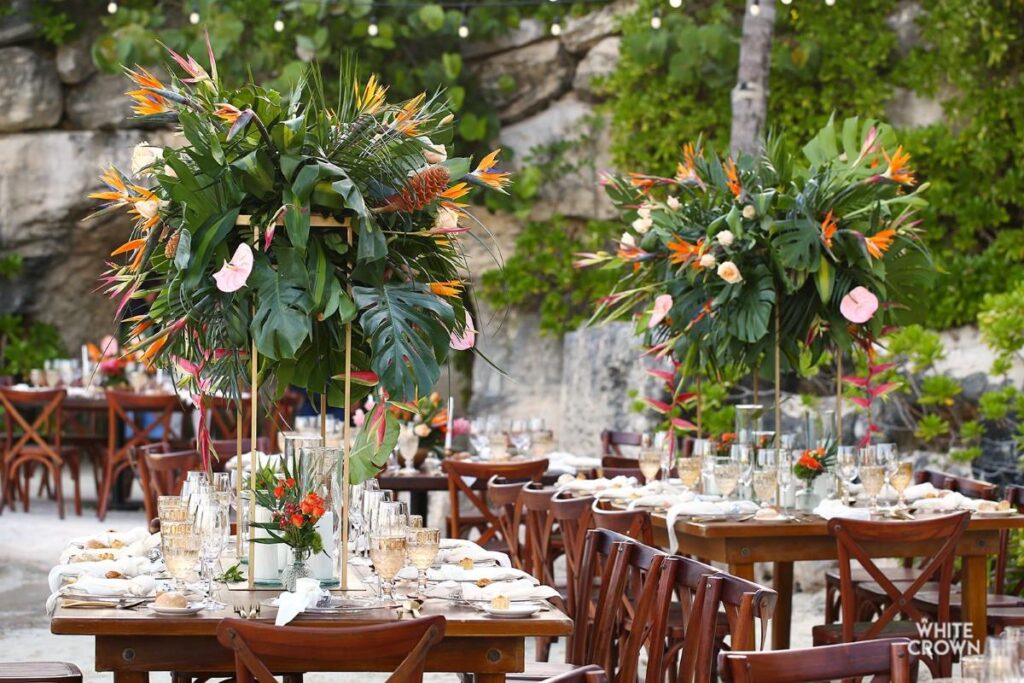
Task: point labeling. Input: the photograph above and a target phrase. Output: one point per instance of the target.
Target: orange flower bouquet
(814, 462)
(294, 510)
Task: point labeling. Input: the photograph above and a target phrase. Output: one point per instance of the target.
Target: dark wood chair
(635, 524)
(886, 661)
(39, 672)
(543, 546)
(572, 517)
(262, 648)
(459, 471)
(226, 449)
(223, 416)
(162, 473)
(505, 498)
(612, 441)
(972, 488)
(125, 407)
(851, 535)
(582, 674)
(33, 425)
(282, 415)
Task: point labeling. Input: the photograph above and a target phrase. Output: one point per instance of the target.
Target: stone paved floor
(31, 543)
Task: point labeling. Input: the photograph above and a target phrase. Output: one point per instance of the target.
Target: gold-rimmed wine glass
(689, 470)
(727, 476)
(421, 548)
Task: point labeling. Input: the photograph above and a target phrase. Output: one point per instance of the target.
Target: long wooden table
(133, 643)
(741, 544)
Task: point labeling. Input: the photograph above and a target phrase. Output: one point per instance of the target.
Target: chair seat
(928, 601)
(871, 589)
(39, 672)
(861, 575)
(831, 634)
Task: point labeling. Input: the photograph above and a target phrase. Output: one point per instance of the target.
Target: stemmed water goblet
(765, 479)
(408, 444)
(387, 544)
(689, 470)
(872, 474)
(848, 467)
(213, 527)
(650, 463)
(727, 476)
(421, 548)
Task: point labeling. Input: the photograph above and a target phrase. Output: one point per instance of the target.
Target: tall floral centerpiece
(735, 260)
(292, 241)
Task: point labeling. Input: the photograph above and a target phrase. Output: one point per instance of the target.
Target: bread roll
(171, 599)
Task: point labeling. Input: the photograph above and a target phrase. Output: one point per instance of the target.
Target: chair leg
(105, 488)
(58, 487)
(26, 491)
(76, 477)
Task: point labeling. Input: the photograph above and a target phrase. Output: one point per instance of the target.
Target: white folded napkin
(568, 463)
(704, 508)
(832, 507)
(137, 587)
(452, 572)
(291, 604)
(568, 483)
(662, 500)
(128, 567)
(947, 503)
(514, 590)
(111, 537)
(454, 550)
(925, 490)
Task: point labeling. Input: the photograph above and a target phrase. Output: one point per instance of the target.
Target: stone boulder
(16, 26)
(521, 82)
(100, 102)
(601, 60)
(582, 33)
(31, 91)
(74, 62)
(528, 31)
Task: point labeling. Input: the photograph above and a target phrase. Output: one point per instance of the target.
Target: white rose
(421, 430)
(749, 212)
(725, 238)
(643, 224)
(144, 155)
(673, 203)
(728, 271)
(628, 240)
(707, 261)
(644, 211)
(435, 154)
(148, 208)
(447, 219)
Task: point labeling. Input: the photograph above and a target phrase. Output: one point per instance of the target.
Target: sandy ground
(31, 543)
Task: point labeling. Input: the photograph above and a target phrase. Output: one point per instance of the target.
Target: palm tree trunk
(750, 97)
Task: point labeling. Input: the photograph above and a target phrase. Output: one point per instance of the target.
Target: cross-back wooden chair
(463, 475)
(125, 407)
(33, 422)
(582, 674)
(505, 498)
(612, 441)
(972, 488)
(222, 414)
(572, 516)
(226, 449)
(544, 544)
(851, 536)
(886, 661)
(281, 417)
(635, 524)
(264, 648)
(162, 473)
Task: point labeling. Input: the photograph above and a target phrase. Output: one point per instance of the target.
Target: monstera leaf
(749, 313)
(281, 323)
(408, 329)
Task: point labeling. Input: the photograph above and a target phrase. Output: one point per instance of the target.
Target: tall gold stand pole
(347, 438)
(778, 378)
(323, 418)
(253, 393)
(239, 550)
(757, 385)
(700, 411)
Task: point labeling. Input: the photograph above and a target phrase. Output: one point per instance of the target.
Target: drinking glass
(872, 474)
(213, 527)
(421, 548)
(1000, 660)
(727, 476)
(741, 454)
(387, 551)
(973, 666)
(220, 484)
(497, 445)
(415, 521)
(748, 421)
(689, 471)
(179, 545)
(408, 444)
(900, 480)
(392, 514)
(766, 483)
(372, 501)
(847, 466)
(650, 464)
(478, 435)
(138, 380)
(519, 434)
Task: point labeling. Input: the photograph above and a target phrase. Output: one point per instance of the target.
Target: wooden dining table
(742, 544)
(132, 643)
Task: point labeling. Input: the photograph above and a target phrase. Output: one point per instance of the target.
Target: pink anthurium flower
(858, 305)
(662, 305)
(466, 340)
(233, 274)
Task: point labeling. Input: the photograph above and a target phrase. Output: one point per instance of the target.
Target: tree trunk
(750, 97)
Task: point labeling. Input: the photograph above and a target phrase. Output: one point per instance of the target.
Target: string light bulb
(755, 8)
(787, 2)
(656, 19)
(111, 8)
(556, 27)
(675, 4)
(193, 17)
(463, 30)
(372, 30)
(830, 2)
(279, 24)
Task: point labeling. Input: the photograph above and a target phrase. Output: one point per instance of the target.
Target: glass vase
(807, 498)
(298, 569)
(748, 421)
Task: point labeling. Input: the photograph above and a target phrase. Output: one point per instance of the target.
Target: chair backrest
(612, 472)
(225, 449)
(38, 416)
(281, 416)
(621, 461)
(972, 488)
(539, 522)
(573, 518)
(127, 407)
(223, 415)
(698, 591)
(886, 660)
(612, 440)
(583, 674)
(505, 498)
(635, 524)
(462, 477)
(1014, 495)
(262, 648)
(163, 473)
(851, 536)
(742, 600)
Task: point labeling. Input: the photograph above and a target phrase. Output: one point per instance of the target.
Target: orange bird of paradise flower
(880, 242)
(406, 120)
(642, 182)
(828, 229)
(487, 173)
(686, 170)
(451, 288)
(147, 102)
(450, 197)
(682, 251)
(372, 96)
(227, 112)
(899, 170)
(733, 177)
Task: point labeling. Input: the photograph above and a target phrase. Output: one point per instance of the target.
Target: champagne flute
(421, 547)
(212, 526)
(888, 458)
(741, 455)
(848, 466)
(727, 476)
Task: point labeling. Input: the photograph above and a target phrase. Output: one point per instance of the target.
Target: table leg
(975, 596)
(489, 678)
(782, 621)
(131, 677)
(744, 570)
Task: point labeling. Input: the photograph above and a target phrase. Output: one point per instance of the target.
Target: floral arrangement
(430, 416)
(293, 512)
(814, 462)
(730, 258)
(324, 236)
(110, 363)
(723, 444)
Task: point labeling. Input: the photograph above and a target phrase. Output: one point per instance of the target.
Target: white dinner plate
(193, 608)
(995, 513)
(514, 611)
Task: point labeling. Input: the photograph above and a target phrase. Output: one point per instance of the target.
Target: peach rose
(728, 271)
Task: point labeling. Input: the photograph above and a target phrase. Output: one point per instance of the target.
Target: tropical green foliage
(25, 344)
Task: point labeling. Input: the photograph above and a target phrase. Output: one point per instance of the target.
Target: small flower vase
(807, 498)
(298, 569)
